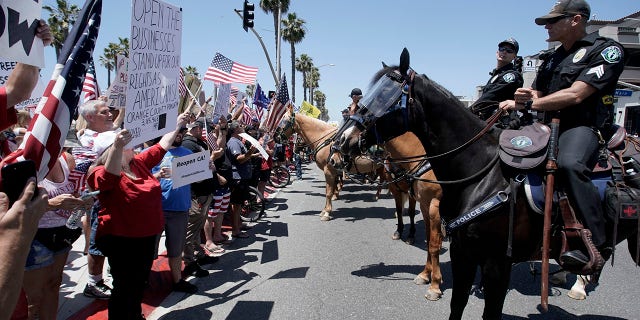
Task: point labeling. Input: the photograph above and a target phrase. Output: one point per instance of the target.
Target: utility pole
(278, 67)
(264, 48)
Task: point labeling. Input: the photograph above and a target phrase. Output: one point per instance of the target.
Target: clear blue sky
(452, 42)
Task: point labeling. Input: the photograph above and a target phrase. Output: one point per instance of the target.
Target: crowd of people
(137, 202)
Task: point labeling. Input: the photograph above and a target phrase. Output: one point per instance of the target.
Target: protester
(266, 164)
(221, 193)
(175, 207)
(50, 248)
(98, 121)
(193, 254)
(240, 157)
(130, 216)
(355, 95)
(585, 98)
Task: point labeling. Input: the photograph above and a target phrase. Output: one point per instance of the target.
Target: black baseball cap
(355, 92)
(511, 42)
(566, 8)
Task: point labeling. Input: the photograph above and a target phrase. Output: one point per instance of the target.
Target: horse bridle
(407, 82)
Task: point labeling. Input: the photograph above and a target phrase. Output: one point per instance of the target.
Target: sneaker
(194, 269)
(98, 291)
(183, 286)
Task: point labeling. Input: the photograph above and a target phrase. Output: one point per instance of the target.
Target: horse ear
(404, 61)
(384, 65)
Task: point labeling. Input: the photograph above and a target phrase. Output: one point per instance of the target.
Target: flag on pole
(224, 70)
(310, 110)
(260, 99)
(233, 96)
(90, 88)
(182, 87)
(278, 105)
(49, 127)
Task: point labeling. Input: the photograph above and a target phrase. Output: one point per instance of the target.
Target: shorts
(264, 175)
(240, 191)
(175, 232)
(220, 203)
(40, 256)
(93, 215)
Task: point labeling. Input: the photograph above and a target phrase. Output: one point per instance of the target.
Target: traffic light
(247, 15)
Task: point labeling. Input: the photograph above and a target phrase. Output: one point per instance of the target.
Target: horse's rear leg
(399, 200)
(463, 271)
(411, 211)
(496, 274)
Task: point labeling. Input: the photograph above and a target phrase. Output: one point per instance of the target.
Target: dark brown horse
(467, 164)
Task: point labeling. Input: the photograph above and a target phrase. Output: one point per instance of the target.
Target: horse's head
(389, 92)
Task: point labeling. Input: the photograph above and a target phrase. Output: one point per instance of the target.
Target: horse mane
(316, 122)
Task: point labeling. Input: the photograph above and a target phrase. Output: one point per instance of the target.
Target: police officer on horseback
(504, 81)
(576, 84)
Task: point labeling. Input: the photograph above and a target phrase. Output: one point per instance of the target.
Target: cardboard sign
(19, 21)
(154, 65)
(256, 144)
(6, 67)
(117, 92)
(191, 168)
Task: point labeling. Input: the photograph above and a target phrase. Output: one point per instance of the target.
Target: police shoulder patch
(509, 77)
(611, 54)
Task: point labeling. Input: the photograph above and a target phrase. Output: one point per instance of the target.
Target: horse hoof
(433, 295)
(410, 240)
(577, 295)
(396, 235)
(420, 281)
(325, 217)
(334, 198)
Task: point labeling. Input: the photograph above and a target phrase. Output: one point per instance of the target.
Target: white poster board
(19, 21)
(6, 67)
(256, 144)
(154, 64)
(117, 93)
(191, 168)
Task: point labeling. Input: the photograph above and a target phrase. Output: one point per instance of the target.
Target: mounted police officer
(504, 81)
(576, 84)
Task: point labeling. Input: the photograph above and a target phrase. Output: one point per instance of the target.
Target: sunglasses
(506, 49)
(556, 19)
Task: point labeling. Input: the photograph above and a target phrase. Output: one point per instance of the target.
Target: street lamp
(327, 65)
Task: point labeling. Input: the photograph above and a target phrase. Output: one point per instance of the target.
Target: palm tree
(271, 7)
(60, 20)
(111, 52)
(293, 32)
(304, 65)
(313, 78)
(193, 71)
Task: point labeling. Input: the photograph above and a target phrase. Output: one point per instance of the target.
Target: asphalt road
(296, 267)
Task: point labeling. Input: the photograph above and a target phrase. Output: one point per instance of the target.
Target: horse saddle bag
(525, 148)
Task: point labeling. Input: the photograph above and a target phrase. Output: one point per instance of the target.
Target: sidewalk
(73, 305)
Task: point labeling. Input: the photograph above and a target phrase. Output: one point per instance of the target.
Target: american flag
(84, 157)
(90, 88)
(224, 70)
(182, 88)
(247, 114)
(278, 106)
(209, 138)
(48, 129)
(233, 96)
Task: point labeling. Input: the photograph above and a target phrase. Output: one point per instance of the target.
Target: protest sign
(19, 21)
(117, 93)
(191, 168)
(256, 144)
(154, 64)
(6, 67)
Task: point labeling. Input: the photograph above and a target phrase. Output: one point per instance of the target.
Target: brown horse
(318, 135)
(407, 146)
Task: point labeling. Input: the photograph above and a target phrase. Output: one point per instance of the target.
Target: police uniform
(501, 86)
(597, 61)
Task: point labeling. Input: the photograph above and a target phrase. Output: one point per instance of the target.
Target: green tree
(193, 71)
(110, 54)
(61, 18)
(313, 78)
(304, 64)
(271, 7)
(293, 32)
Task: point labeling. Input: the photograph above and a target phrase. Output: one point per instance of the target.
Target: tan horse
(318, 135)
(407, 146)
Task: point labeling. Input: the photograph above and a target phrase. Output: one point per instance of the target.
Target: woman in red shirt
(130, 216)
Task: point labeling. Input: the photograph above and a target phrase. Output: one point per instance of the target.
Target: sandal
(213, 250)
